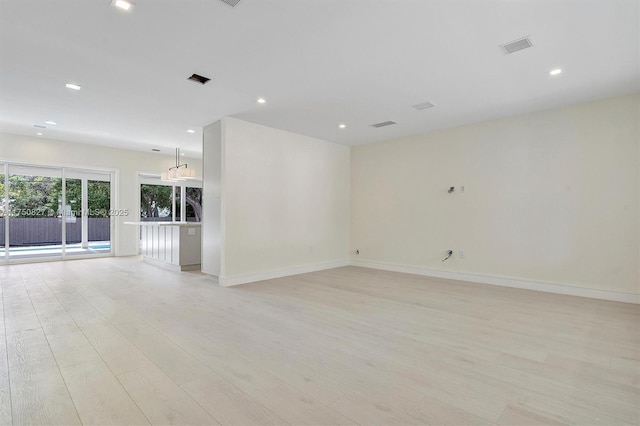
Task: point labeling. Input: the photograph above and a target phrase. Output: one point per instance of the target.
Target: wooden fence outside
(48, 230)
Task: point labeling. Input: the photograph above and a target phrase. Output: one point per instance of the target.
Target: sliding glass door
(88, 224)
(4, 204)
(35, 222)
(99, 221)
(54, 212)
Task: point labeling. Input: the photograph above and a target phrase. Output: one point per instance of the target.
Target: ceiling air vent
(231, 3)
(39, 126)
(517, 45)
(423, 105)
(384, 124)
(199, 79)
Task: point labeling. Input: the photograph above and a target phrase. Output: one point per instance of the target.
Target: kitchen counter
(174, 245)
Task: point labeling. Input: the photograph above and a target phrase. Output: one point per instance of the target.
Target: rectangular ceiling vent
(517, 45)
(423, 105)
(231, 3)
(199, 79)
(39, 126)
(384, 124)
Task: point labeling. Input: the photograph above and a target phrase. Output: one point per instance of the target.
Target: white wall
(550, 197)
(285, 202)
(211, 200)
(127, 163)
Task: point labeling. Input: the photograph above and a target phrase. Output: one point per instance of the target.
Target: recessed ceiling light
(182, 153)
(73, 86)
(342, 125)
(261, 100)
(556, 71)
(39, 134)
(122, 4)
(191, 131)
(53, 123)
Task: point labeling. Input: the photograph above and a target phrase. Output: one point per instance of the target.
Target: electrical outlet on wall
(461, 254)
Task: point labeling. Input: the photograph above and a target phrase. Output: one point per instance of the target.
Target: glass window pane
(178, 191)
(99, 222)
(2, 212)
(88, 224)
(35, 212)
(73, 211)
(155, 202)
(193, 200)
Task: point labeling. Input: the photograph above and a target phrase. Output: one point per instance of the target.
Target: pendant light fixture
(178, 172)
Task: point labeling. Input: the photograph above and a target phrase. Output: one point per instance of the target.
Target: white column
(212, 218)
(85, 213)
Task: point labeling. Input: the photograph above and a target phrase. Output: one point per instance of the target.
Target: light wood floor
(117, 341)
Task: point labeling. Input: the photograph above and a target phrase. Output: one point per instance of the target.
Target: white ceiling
(317, 62)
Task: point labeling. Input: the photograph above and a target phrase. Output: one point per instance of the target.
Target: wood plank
(432, 411)
(161, 400)
(176, 363)
(296, 408)
(5, 391)
(515, 415)
(228, 404)
(39, 394)
(27, 347)
(115, 350)
(99, 397)
(377, 407)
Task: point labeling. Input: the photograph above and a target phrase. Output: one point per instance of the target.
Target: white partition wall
(212, 228)
(280, 200)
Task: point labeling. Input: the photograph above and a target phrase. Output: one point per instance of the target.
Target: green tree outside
(41, 196)
(155, 201)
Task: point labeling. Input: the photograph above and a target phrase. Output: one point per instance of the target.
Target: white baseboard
(249, 278)
(502, 281)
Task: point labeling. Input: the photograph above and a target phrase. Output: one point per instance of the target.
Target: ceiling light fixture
(342, 125)
(556, 71)
(73, 86)
(122, 4)
(178, 172)
(191, 131)
(261, 101)
(53, 123)
(39, 134)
